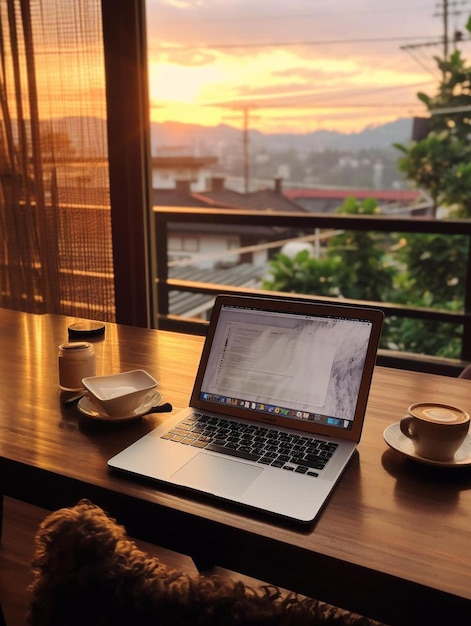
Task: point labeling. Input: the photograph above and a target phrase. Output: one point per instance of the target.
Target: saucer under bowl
(91, 408)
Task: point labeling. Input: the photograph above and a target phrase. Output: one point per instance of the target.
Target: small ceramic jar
(76, 361)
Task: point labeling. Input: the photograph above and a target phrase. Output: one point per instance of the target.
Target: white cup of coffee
(437, 430)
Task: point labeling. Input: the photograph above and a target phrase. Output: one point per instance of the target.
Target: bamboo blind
(55, 218)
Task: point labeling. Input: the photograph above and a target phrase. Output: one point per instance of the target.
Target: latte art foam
(439, 413)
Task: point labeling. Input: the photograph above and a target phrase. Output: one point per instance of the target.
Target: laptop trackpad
(217, 475)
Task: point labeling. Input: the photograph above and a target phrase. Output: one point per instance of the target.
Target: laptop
(276, 410)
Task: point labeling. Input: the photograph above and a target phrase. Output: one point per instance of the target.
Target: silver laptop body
(277, 407)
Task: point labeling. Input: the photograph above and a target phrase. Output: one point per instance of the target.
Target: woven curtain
(55, 219)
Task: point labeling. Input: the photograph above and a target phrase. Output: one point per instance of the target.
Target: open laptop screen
(302, 363)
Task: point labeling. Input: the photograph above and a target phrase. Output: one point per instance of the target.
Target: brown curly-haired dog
(87, 572)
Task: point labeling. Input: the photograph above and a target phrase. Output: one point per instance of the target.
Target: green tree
(440, 163)
(433, 277)
(303, 274)
(364, 272)
(420, 270)
(354, 265)
(436, 268)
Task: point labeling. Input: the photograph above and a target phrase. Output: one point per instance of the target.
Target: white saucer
(90, 408)
(396, 440)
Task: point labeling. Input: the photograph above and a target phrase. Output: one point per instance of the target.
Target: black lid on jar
(86, 330)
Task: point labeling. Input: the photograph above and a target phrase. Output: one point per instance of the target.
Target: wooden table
(394, 541)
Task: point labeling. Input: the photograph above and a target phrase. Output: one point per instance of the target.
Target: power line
(271, 17)
(274, 44)
(310, 105)
(445, 13)
(312, 99)
(413, 51)
(307, 98)
(445, 39)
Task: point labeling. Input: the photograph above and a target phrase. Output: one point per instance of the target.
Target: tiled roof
(263, 200)
(272, 200)
(172, 161)
(172, 197)
(193, 304)
(384, 195)
(266, 200)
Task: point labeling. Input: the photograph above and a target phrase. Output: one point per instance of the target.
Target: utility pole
(450, 7)
(445, 30)
(443, 12)
(245, 143)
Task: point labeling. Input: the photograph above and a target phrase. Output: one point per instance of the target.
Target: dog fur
(87, 572)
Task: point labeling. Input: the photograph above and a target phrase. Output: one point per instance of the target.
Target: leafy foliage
(434, 275)
(303, 274)
(422, 270)
(363, 272)
(419, 270)
(436, 266)
(439, 163)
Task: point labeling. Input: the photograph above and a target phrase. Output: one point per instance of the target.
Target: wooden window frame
(128, 123)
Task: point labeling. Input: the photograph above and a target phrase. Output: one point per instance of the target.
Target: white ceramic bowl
(120, 394)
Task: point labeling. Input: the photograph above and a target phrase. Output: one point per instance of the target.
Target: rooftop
(381, 195)
(199, 304)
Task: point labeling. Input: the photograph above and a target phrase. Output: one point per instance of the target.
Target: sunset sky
(295, 65)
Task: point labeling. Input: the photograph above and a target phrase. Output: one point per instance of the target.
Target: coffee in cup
(437, 430)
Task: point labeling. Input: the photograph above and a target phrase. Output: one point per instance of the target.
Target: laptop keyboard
(295, 453)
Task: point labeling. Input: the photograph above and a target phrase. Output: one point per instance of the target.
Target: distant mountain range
(176, 137)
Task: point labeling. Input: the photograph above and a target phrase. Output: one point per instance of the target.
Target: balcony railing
(163, 216)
